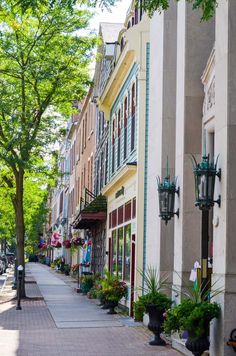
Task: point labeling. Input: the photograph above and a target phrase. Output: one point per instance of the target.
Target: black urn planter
(156, 319)
(105, 305)
(198, 345)
(111, 306)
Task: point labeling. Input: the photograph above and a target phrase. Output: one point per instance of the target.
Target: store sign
(120, 192)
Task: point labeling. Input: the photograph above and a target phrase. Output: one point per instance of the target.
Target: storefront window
(120, 251)
(114, 252)
(127, 252)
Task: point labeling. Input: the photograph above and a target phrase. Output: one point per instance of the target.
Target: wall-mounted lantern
(166, 191)
(204, 174)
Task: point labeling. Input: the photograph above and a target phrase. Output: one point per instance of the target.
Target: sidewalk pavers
(67, 323)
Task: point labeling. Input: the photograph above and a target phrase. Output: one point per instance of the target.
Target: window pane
(120, 251)
(114, 252)
(127, 252)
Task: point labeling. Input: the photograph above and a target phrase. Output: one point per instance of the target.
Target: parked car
(3, 258)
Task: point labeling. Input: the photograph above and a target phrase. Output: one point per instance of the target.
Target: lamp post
(166, 191)
(205, 173)
(20, 270)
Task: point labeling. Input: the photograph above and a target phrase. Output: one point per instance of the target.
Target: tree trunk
(20, 226)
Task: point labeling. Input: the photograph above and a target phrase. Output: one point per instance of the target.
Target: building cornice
(125, 173)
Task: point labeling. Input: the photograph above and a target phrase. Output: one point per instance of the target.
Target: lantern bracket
(177, 213)
(177, 191)
(218, 174)
(218, 201)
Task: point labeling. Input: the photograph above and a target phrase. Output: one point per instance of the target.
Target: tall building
(123, 102)
(192, 112)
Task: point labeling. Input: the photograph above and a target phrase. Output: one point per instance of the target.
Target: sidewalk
(67, 323)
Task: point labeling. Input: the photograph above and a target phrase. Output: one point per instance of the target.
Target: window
(88, 178)
(84, 176)
(134, 208)
(79, 144)
(91, 173)
(120, 215)
(128, 211)
(114, 252)
(85, 130)
(114, 218)
(125, 127)
(127, 253)
(120, 252)
(132, 117)
(118, 141)
(110, 217)
(113, 146)
(82, 142)
(106, 164)
(136, 15)
(61, 203)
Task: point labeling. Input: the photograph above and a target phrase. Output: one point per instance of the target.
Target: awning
(86, 220)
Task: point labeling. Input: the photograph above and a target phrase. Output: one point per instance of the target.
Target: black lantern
(166, 191)
(204, 174)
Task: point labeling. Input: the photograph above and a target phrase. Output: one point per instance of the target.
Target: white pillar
(224, 250)
(161, 136)
(195, 40)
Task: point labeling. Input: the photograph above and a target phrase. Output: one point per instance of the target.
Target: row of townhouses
(164, 90)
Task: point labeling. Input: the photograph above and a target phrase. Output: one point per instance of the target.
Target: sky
(117, 14)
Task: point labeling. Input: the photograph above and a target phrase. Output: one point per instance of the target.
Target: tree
(43, 67)
(206, 6)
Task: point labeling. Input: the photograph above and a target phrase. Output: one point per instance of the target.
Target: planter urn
(111, 306)
(156, 319)
(197, 345)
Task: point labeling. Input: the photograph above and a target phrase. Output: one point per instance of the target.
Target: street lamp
(20, 270)
(205, 173)
(166, 191)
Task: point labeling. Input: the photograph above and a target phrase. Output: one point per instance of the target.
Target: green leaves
(207, 7)
(191, 316)
(44, 61)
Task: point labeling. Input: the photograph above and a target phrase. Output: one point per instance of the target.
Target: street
(57, 320)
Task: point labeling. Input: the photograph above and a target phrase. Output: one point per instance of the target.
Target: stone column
(195, 40)
(224, 250)
(161, 135)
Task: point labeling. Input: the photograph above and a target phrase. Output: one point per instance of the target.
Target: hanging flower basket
(77, 241)
(67, 243)
(57, 244)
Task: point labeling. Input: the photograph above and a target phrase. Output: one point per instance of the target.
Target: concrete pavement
(67, 323)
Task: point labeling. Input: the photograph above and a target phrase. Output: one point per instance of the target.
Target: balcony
(93, 210)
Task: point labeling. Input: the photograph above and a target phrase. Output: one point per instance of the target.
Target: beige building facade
(192, 109)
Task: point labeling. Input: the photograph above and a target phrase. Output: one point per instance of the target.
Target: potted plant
(67, 269)
(86, 283)
(75, 269)
(194, 315)
(111, 292)
(154, 302)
